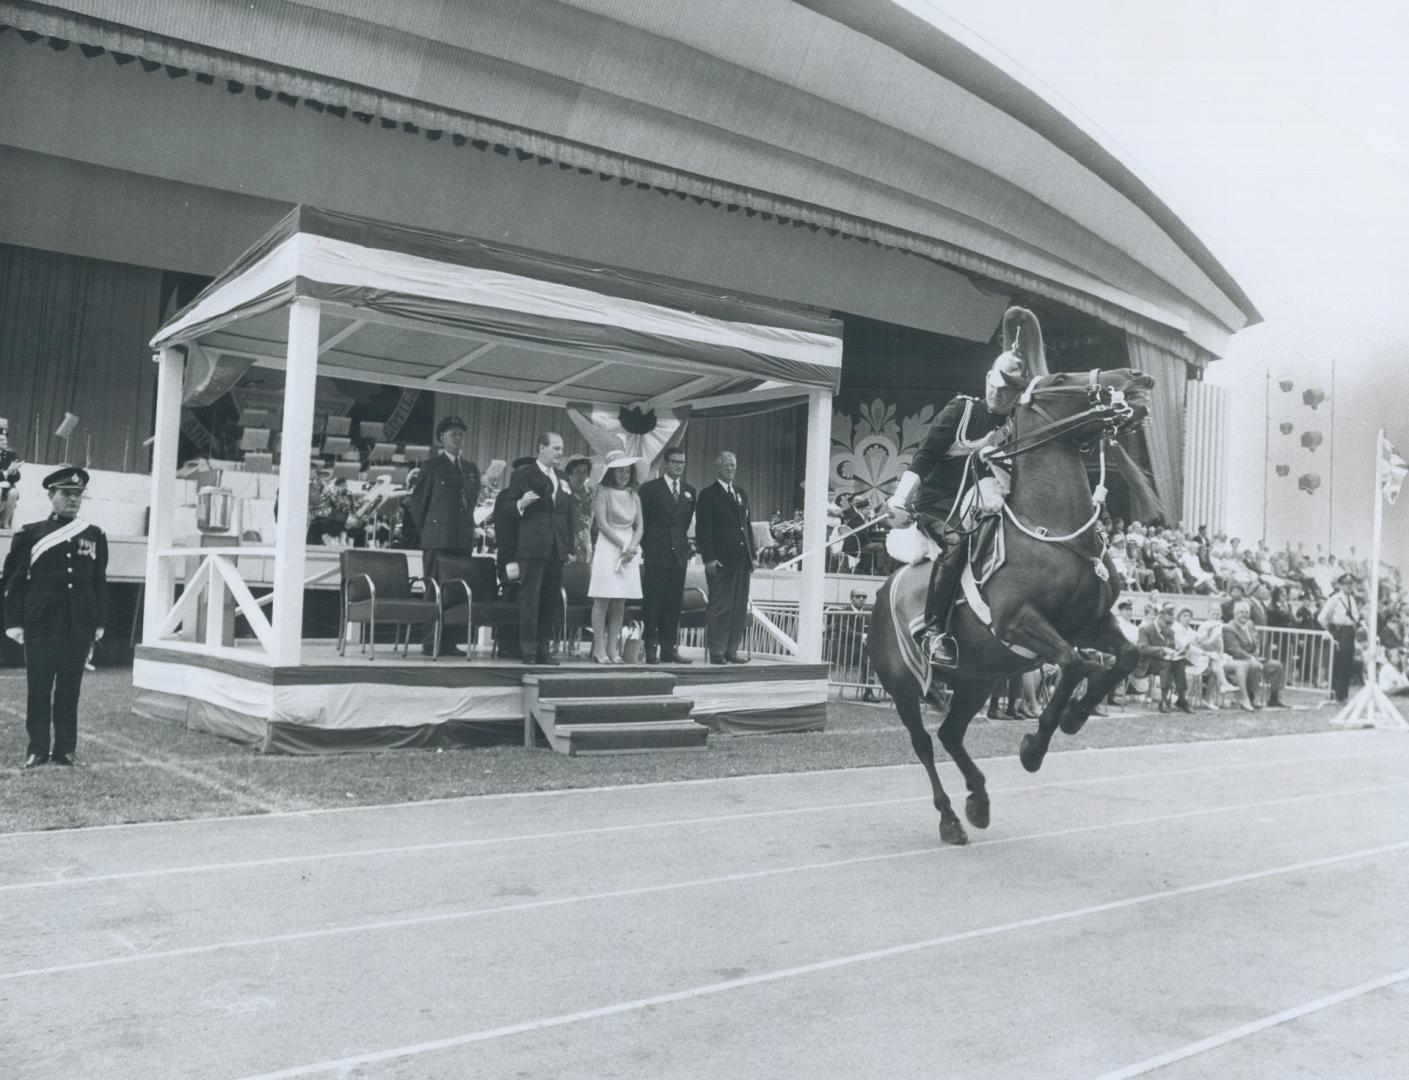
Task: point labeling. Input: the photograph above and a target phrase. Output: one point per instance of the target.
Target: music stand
(371, 431)
(376, 472)
(346, 470)
(339, 425)
(417, 453)
(337, 444)
(259, 462)
(382, 452)
(254, 438)
(253, 418)
(495, 473)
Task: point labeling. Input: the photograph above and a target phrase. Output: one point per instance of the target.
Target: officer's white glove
(896, 504)
(16, 634)
(98, 634)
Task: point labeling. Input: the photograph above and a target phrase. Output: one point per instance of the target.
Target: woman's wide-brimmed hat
(618, 459)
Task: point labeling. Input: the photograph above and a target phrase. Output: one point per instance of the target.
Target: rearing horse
(1055, 591)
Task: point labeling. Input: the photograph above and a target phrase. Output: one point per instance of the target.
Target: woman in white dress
(1204, 649)
(616, 558)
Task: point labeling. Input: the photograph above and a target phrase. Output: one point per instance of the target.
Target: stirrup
(943, 650)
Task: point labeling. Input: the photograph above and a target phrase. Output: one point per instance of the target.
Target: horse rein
(1115, 414)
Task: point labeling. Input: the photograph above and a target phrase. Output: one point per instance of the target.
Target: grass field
(140, 770)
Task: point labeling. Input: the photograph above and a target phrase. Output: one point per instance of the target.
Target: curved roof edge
(933, 48)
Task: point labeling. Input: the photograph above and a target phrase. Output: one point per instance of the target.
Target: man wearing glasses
(56, 606)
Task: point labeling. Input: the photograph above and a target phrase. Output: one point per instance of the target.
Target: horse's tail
(1145, 503)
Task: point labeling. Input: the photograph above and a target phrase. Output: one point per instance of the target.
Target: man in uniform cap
(9, 477)
(442, 506)
(1339, 616)
(56, 606)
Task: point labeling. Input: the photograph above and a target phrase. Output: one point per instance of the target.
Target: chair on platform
(376, 588)
(577, 604)
(469, 597)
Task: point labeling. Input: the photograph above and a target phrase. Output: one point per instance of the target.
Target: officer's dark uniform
(56, 590)
(940, 477)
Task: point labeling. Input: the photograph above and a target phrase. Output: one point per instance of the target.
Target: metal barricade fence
(844, 651)
(1305, 655)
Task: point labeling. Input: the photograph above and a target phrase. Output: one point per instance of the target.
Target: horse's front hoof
(1073, 720)
(1031, 753)
(976, 810)
(951, 832)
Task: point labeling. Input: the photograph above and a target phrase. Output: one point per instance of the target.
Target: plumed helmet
(1023, 357)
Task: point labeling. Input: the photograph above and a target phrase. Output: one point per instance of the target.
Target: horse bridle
(1107, 405)
(1112, 412)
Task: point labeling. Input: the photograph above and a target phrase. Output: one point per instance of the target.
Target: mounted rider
(930, 487)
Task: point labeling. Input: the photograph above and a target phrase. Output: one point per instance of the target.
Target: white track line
(1223, 1038)
(600, 830)
(762, 978)
(557, 793)
(646, 890)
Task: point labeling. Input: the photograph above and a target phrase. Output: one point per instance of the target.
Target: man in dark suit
(506, 542)
(1160, 656)
(667, 508)
(442, 506)
(56, 606)
(544, 501)
(724, 535)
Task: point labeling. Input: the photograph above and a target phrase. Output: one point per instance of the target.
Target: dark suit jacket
(506, 534)
(443, 503)
(545, 528)
(1151, 640)
(667, 523)
(722, 527)
(57, 590)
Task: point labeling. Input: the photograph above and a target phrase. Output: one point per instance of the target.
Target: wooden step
(608, 684)
(653, 709)
(629, 738)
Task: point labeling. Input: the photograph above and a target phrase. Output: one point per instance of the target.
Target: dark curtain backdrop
(769, 447)
(1164, 438)
(73, 338)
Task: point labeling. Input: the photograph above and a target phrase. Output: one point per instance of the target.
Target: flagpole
(1371, 706)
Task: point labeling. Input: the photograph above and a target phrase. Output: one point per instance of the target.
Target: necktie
(674, 491)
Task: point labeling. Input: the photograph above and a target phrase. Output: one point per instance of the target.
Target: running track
(1220, 909)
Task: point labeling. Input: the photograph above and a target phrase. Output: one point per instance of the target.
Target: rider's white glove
(908, 483)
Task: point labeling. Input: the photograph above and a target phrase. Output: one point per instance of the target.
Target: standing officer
(442, 506)
(56, 605)
(667, 508)
(1339, 616)
(724, 535)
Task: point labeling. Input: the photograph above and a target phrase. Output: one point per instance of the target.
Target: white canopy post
(160, 587)
(817, 463)
(291, 532)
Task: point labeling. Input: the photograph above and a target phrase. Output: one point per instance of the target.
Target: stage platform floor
(353, 702)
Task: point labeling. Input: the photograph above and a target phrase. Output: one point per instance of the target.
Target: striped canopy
(408, 307)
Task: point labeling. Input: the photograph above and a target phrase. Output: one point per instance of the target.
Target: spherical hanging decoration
(1309, 482)
(1311, 440)
(1313, 397)
(1284, 470)
(1285, 427)
(1285, 385)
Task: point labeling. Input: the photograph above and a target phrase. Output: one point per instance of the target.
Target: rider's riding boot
(944, 585)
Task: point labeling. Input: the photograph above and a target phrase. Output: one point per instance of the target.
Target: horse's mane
(1145, 504)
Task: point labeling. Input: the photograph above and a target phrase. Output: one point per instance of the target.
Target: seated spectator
(1160, 655)
(1204, 648)
(1203, 582)
(1240, 642)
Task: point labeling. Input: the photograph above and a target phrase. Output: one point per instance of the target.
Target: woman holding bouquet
(616, 558)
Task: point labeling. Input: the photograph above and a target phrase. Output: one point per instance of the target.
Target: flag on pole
(1393, 469)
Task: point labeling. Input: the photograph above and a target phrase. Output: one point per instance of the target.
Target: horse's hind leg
(907, 703)
(969, 696)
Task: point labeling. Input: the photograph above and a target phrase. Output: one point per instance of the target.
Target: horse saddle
(987, 549)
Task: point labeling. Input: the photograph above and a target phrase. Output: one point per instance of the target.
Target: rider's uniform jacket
(940, 474)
